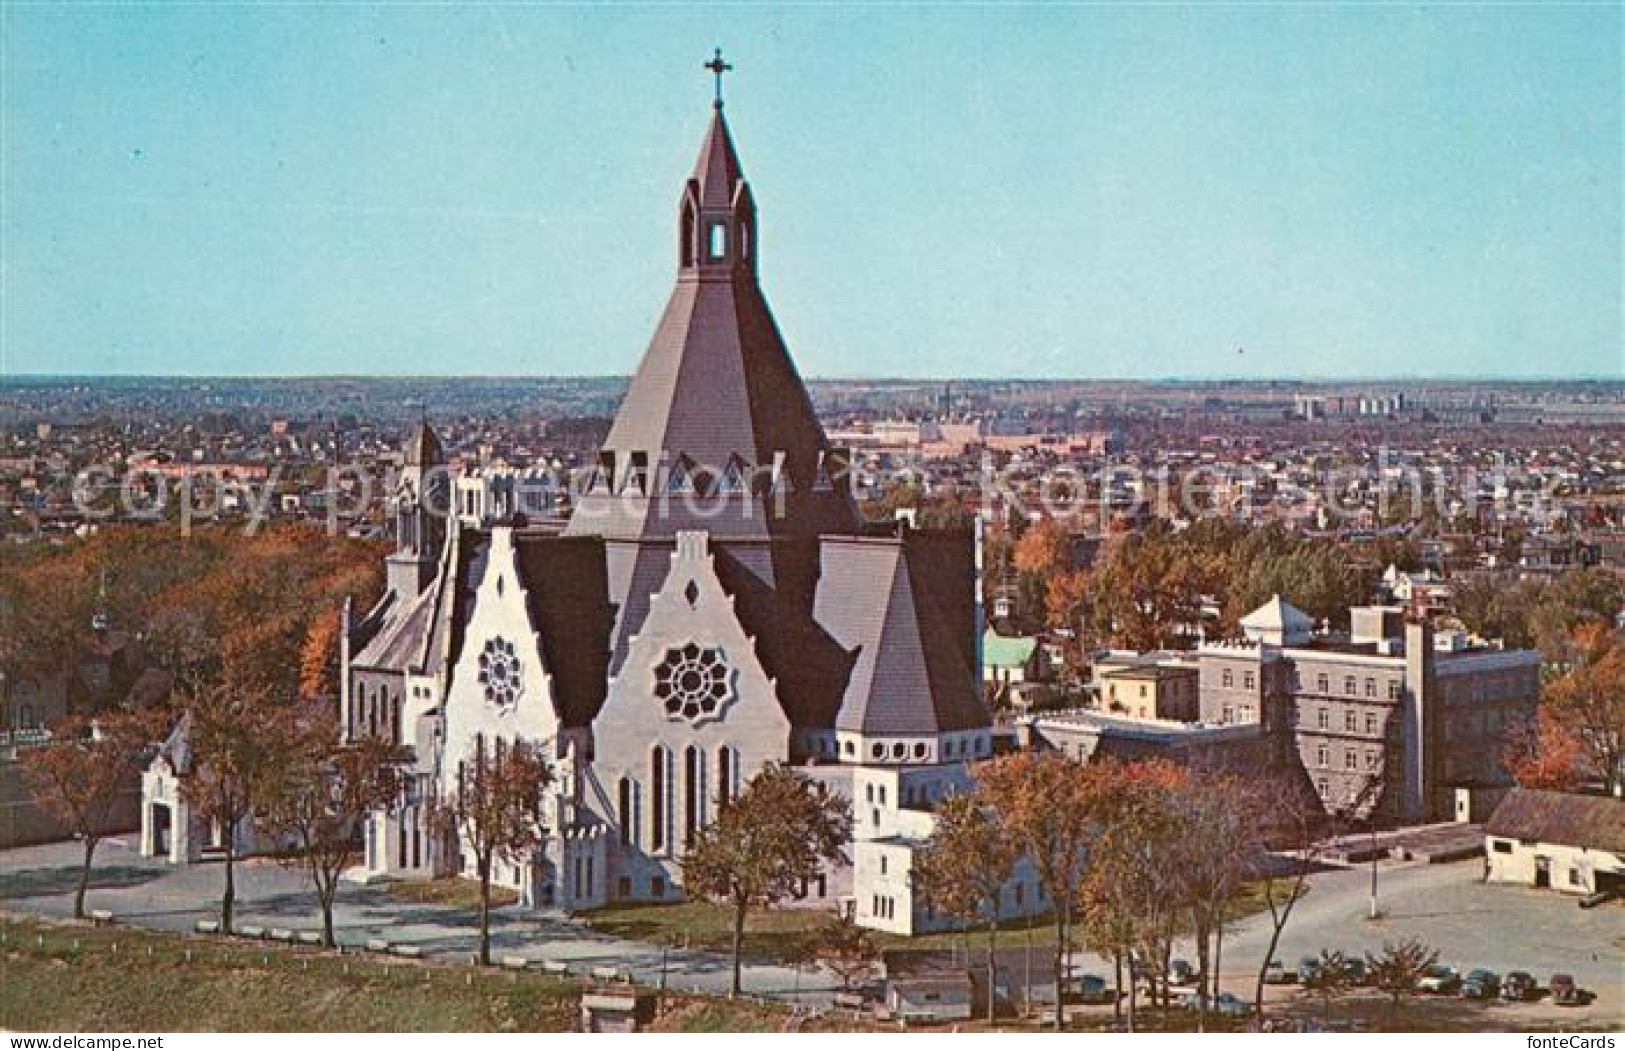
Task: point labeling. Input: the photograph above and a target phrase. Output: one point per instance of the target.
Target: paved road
(150, 893)
(1447, 906)
(1471, 923)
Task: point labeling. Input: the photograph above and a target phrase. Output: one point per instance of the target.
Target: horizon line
(1300, 378)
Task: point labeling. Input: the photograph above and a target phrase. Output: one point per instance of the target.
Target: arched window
(718, 241)
(657, 800)
(725, 776)
(744, 240)
(693, 805)
(625, 806)
(686, 245)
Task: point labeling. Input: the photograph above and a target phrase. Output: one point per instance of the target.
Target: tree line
(1128, 857)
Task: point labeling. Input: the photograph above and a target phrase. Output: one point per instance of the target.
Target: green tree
(777, 835)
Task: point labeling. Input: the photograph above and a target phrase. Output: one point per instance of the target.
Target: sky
(985, 190)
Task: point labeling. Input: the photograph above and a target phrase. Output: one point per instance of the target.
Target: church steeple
(717, 216)
(716, 414)
(421, 503)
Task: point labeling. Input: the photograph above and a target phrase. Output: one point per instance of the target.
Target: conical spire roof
(716, 397)
(423, 448)
(717, 172)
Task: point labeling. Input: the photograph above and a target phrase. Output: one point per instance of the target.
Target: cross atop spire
(718, 67)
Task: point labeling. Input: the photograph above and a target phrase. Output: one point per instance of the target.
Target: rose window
(692, 681)
(499, 672)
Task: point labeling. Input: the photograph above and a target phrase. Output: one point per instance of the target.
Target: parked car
(1481, 984)
(1591, 901)
(1308, 969)
(1440, 980)
(1277, 974)
(1567, 993)
(1230, 1006)
(1092, 989)
(1518, 986)
(1354, 968)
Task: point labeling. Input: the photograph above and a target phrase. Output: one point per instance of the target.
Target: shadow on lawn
(64, 879)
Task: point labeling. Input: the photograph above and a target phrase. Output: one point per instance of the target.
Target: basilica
(712, 604)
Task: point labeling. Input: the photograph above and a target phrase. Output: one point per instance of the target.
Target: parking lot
(1471, 923)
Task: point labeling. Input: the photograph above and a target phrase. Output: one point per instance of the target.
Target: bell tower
(717, 217)
(421, 505)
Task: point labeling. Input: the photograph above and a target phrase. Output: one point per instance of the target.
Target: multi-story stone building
(1386, 720)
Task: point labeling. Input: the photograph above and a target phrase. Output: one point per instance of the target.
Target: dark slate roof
(905, 626)
(716, 387)
(566, 584)
(398, 641)
(773, 586)
(1564, 818)
(635, 571)
(423, 447)
(867, 633)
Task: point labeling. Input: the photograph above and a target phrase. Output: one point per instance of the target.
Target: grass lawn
(452, 892)
(703, 925)
(61, 976)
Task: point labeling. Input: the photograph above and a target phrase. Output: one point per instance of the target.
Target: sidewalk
(148, 893)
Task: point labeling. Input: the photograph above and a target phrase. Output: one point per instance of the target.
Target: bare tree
(321, 801)
(1399, 970)
(238, 739)
(1333, 975)
(495, 812)
(1288, 818)
(1216, 848)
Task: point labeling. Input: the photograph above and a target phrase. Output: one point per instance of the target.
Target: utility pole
(1027, 995)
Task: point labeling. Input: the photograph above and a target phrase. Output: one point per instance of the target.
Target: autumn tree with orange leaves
(1589, 702)
(766, 844)
(1545, 753)
(964, 867)
(79, 775)
(1051, 808)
